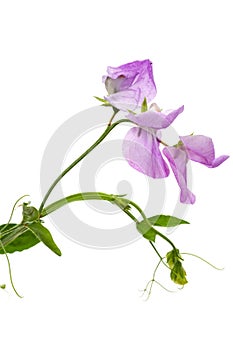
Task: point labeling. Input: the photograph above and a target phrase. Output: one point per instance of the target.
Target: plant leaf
(166, 221)
(178, 273)
(146, 230)
(43, 234)
(24, 240)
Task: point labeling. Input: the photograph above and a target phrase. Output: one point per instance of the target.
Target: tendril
(9, 268)
(205, 261)
(149, 285)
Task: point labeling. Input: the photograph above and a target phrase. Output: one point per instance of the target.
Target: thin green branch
(72, 165)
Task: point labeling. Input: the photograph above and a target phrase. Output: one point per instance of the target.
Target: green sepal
(43, 234)
(144, 106)
(121, 202)
(166, 221)
(147, 231)
(17, 239)
(105, 102)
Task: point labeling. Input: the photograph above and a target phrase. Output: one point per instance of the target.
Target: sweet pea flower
(198, 148)
(128, 84)
(141, 144)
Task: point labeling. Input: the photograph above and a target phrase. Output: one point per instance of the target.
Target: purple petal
(154, 119)
(178, 161)
(141, 150)
(124, 100)
(119, 84)
(136, 75)
(201, 149)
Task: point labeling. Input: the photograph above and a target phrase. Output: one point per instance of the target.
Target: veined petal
(178, 160)
(136, 75)
(141, 150)
(201, 149)
(154, 119)
(124, 100)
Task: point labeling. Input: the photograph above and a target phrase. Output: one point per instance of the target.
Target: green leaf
(146, 230)
(166, 221)
(172, 257)
(43, 234)
(144, 106)
(178, 273)
(18, 239)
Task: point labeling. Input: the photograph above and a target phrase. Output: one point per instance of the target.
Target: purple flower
(129, 84)
(198, 148)
(141, 144)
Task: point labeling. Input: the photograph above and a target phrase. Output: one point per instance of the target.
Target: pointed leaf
(43, 234)
(166, 221)
(147, 231)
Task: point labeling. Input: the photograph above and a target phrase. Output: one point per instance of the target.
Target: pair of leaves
(24, 236)
(149, 232)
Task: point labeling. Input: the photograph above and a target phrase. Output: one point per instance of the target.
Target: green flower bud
(30, 214)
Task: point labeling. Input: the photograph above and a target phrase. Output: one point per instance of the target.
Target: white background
(53, 55)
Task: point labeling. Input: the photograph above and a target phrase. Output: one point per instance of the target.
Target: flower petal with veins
(201, 149)
(154, 119)
(178, 159)
(141, 150)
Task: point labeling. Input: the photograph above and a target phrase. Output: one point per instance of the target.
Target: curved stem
(72, 165)
(77, 197)
(110, 198)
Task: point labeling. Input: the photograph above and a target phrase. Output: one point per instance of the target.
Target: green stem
(77, 197)
(103, 196)
(115, 111)
(97, 142)
(148, 222)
